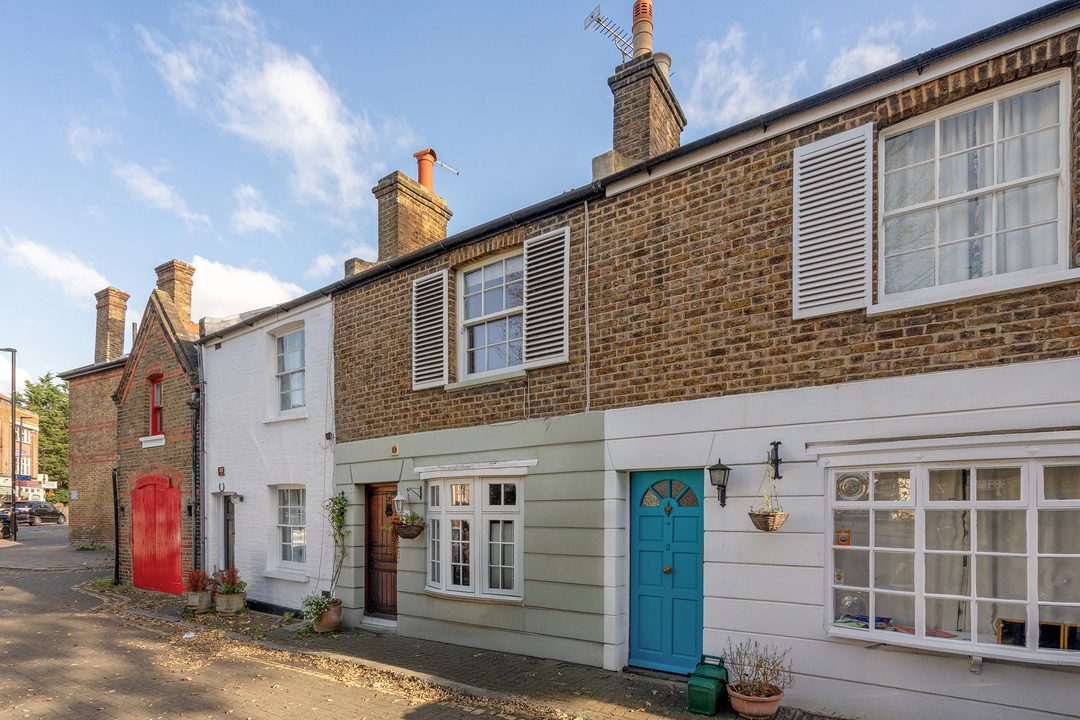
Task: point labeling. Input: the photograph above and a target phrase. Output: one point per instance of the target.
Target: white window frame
(439, 516)
(278, 562)
(1031, 452)
(279, 336)
(464, 325)
(995, 283)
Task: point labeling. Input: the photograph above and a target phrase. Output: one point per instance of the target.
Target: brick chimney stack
(648, 117)
(411, 215)
(174, 278)
(109, 337)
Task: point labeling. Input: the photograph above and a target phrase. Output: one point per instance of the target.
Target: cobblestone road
(64, 656)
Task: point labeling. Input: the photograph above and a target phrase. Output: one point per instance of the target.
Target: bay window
(474, 536)
(977, 557)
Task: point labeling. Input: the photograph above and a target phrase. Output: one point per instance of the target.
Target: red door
(155, 535)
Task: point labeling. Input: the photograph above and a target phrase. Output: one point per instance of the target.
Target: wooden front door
(666, 579)
(381, 594)
(155, 535)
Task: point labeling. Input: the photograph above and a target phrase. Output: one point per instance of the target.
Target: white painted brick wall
(260, 451)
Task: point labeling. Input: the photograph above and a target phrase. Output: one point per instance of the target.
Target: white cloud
(262, 92)
(84, 139)
(221, 290)
(326, 264)
(877, 47)
(144, 186)
(816, 34)
(730, 85)
(95, 211)
(67, 273)
(21, 376)
(922, 23)
(252, 215)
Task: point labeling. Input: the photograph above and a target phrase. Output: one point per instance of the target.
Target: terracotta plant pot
(200, 602)
(330, 620)
(408, 531)
(752, 707)
(229, 604)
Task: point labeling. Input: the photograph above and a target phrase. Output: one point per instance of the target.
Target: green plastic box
(706, 686)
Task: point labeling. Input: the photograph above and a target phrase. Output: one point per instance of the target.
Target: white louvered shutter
(833, 221)
(547, 268)
(429, 331)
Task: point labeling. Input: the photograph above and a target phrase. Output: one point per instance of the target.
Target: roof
(93, 368)
(182, 340)
(597, 188)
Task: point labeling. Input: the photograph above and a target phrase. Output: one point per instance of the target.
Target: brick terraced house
(883, 278)
(92, 426)
(156, 396)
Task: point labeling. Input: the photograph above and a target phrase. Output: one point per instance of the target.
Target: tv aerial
(603, 24)
(446, 167)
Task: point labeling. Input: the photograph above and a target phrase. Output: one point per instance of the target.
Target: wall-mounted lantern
(718, 476)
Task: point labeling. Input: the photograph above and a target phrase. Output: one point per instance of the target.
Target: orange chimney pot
(425, 163)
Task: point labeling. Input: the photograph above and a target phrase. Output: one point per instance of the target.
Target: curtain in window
(1027, 231)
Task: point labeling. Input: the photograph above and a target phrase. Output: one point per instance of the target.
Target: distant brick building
(147, 402)
(26, 453)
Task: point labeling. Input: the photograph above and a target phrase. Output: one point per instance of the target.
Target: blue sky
(245, 138)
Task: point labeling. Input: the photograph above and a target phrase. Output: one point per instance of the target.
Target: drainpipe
(116, 529)
(196, 511)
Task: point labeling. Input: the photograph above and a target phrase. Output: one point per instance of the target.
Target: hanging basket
(408, 532)
(768, 521)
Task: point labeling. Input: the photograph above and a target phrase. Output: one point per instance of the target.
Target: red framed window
(155, 407)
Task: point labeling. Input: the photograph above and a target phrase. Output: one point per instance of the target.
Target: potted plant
(768, 514)
(323, 611)
(407, 526)
(230, 595)
(758, 675)
(200, 591)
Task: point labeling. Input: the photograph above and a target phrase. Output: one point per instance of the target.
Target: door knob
(667, 570)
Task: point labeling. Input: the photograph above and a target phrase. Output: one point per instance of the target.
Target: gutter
(68, 375)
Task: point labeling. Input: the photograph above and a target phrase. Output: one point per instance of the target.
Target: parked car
(35, 512)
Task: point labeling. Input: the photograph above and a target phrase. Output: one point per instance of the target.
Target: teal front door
(666, 579)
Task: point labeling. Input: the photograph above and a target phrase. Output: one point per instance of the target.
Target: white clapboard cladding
(429, 331)
(547, 263)
(833, 221)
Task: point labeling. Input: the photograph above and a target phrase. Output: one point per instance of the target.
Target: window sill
(945, 294)
(289, 575)
(487, 599)
(892, 639)
(284, 418)
(151, 441)
(485, 380)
